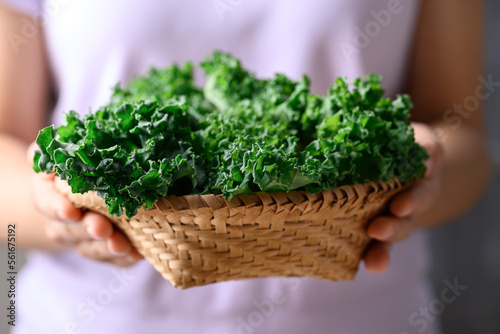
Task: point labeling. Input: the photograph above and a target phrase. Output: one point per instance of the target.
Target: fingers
(66, 233)
(90, 233)
(92, 227)
(99, 250)
(52, 203)
(135, 255)
(404, 207)
(377, 257)
(47, 199)
(97, 226)
(30, 152)
(413, 201)
(385, 230)
(418, 199)
(390, 229)
(95, 238)
(435, 161)
(118, 244)
(428, 139)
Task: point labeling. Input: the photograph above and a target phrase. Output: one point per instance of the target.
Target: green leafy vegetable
(162, 135)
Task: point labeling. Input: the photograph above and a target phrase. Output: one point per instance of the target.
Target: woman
(77, 50)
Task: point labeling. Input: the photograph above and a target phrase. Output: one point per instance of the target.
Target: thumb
(436, 158)
(30, 152)
(426, 137)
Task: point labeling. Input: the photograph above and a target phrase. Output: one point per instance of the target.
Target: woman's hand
(89, 233)
(406, 207)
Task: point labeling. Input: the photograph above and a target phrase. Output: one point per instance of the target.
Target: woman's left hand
(406, 208)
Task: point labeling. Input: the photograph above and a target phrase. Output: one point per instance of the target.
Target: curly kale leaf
(162, 135)
(131, 155)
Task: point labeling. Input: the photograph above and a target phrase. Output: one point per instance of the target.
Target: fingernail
(116, 253)
(91, 233)
(389, 232)
(407, 210)
(62, 215)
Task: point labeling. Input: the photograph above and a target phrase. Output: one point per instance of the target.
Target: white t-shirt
(94, 44)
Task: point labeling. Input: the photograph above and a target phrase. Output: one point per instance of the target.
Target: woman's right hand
(89, 233)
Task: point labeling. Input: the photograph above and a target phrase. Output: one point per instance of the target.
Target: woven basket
(200, 239)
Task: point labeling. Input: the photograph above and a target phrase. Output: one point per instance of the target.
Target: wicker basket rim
(217, 201)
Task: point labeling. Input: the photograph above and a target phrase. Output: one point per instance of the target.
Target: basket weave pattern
(200, 239)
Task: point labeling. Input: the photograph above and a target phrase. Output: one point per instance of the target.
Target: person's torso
(93, 44)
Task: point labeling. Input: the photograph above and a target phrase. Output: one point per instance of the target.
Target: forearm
(16, 204)
(464, 176)
(24, 100)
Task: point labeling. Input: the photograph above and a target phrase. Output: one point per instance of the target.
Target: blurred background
(467, 249)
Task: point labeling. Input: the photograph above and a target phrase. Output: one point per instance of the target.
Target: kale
(162, 135)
